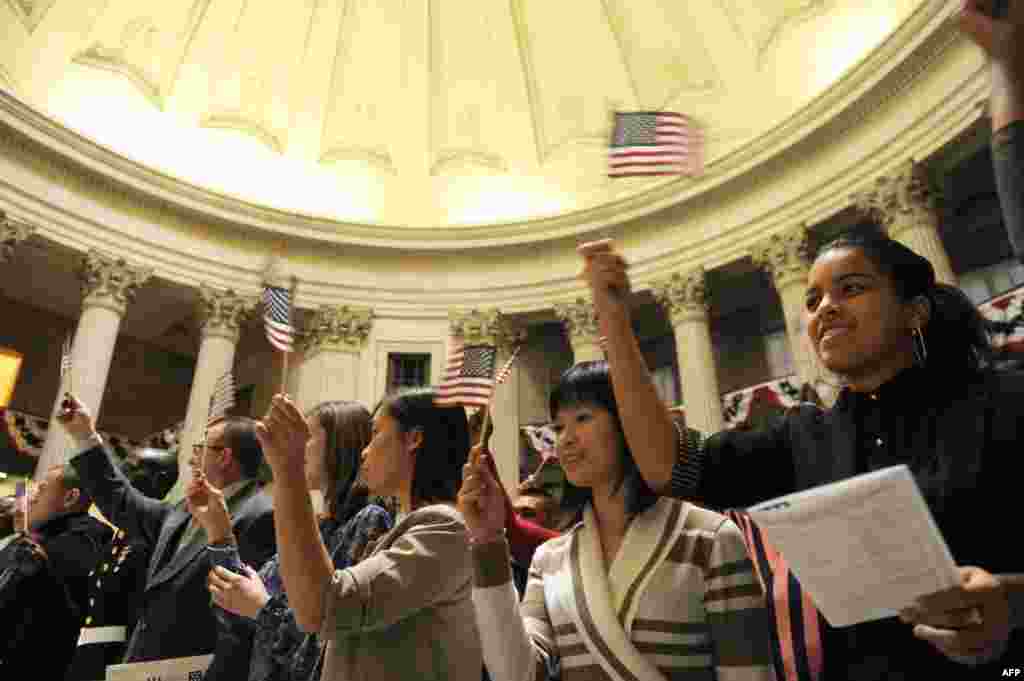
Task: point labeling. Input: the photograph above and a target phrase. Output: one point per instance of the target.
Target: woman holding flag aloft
(404, 611)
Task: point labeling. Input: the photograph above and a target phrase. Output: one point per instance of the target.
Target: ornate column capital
(12, 233)
(901, 201)
(579, 319)
(684, 295)
(477, 327)
(222, 312)
(786, 256)
(110, 282)
(340, 327)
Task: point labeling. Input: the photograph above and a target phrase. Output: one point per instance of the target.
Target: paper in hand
(862, 548)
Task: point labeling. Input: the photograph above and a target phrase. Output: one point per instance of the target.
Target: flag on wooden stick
(506, 370)
(655, 143)
(65, 357)
(21, 501)
(469, 377)
(222, 399)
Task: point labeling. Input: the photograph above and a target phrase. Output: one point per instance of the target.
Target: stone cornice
(910, 48)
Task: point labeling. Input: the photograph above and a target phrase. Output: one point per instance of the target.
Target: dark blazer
(44, 600)
(960, 435)
(176, 618)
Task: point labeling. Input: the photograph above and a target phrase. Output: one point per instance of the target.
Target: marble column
(334, 341)
(108, 285)
(684, 296)
(488, 327)
(506, 408)
(580, 322)
(905, 205)
(221, 314)
(12, 233)
(786, 257)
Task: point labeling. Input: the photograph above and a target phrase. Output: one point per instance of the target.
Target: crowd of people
(645, 570)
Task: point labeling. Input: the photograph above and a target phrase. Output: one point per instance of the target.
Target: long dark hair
(445, 448)
(347, 425)
(956, 335)
(589, 384)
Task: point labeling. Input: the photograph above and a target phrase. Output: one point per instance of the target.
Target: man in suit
(44, 577)
(176, 618)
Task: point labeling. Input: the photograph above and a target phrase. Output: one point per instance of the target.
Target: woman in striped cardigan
(640, 588)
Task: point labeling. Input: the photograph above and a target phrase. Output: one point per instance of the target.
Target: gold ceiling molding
(453, 160)
(147, 49)
(378, 159)
(246, 124)
(31, 12)
(923, 38)
(771, 28)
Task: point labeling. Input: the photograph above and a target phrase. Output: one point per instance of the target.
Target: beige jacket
(405, 611)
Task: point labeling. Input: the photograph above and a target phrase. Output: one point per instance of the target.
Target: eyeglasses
(198, 448)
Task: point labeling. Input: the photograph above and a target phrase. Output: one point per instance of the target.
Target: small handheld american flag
(506, 370)
(655, 143)
(469, 377)
(277, 317)
(65, 357)
(222, 399)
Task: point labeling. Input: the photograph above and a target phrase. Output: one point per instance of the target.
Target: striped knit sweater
(697, 616)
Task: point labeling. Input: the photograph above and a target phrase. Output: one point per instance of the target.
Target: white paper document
(178, 669)
(862, 548)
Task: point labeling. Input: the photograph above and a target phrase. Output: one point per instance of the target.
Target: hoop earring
(920, 349)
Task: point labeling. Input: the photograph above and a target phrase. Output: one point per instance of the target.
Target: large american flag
(222, 399)
(469, 377)
(654, 143)
(277, 317)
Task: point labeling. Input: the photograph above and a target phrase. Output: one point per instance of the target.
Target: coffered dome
(384, 121)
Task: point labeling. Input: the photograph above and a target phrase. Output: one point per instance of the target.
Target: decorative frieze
(12, 233)
(901, 201)
(477, 327)
(786, 256)
(110, 282)
(684, 295)
(339, 327)
(580, 320)
(223, 312)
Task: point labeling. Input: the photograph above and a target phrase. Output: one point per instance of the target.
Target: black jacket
(960, 435)
(176, 618)
(43, 599)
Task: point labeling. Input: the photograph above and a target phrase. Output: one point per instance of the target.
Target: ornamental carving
(684, 295)
(900, 201)
(110, 282)
(340, 327)
(11, 234)
(786, 256)
(580, 321)
(222, 313)
(476, 327)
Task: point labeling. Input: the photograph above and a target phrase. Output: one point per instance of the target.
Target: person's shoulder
(370, 516)
(434, 514)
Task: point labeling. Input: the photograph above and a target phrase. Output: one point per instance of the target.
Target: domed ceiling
(426, 113)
